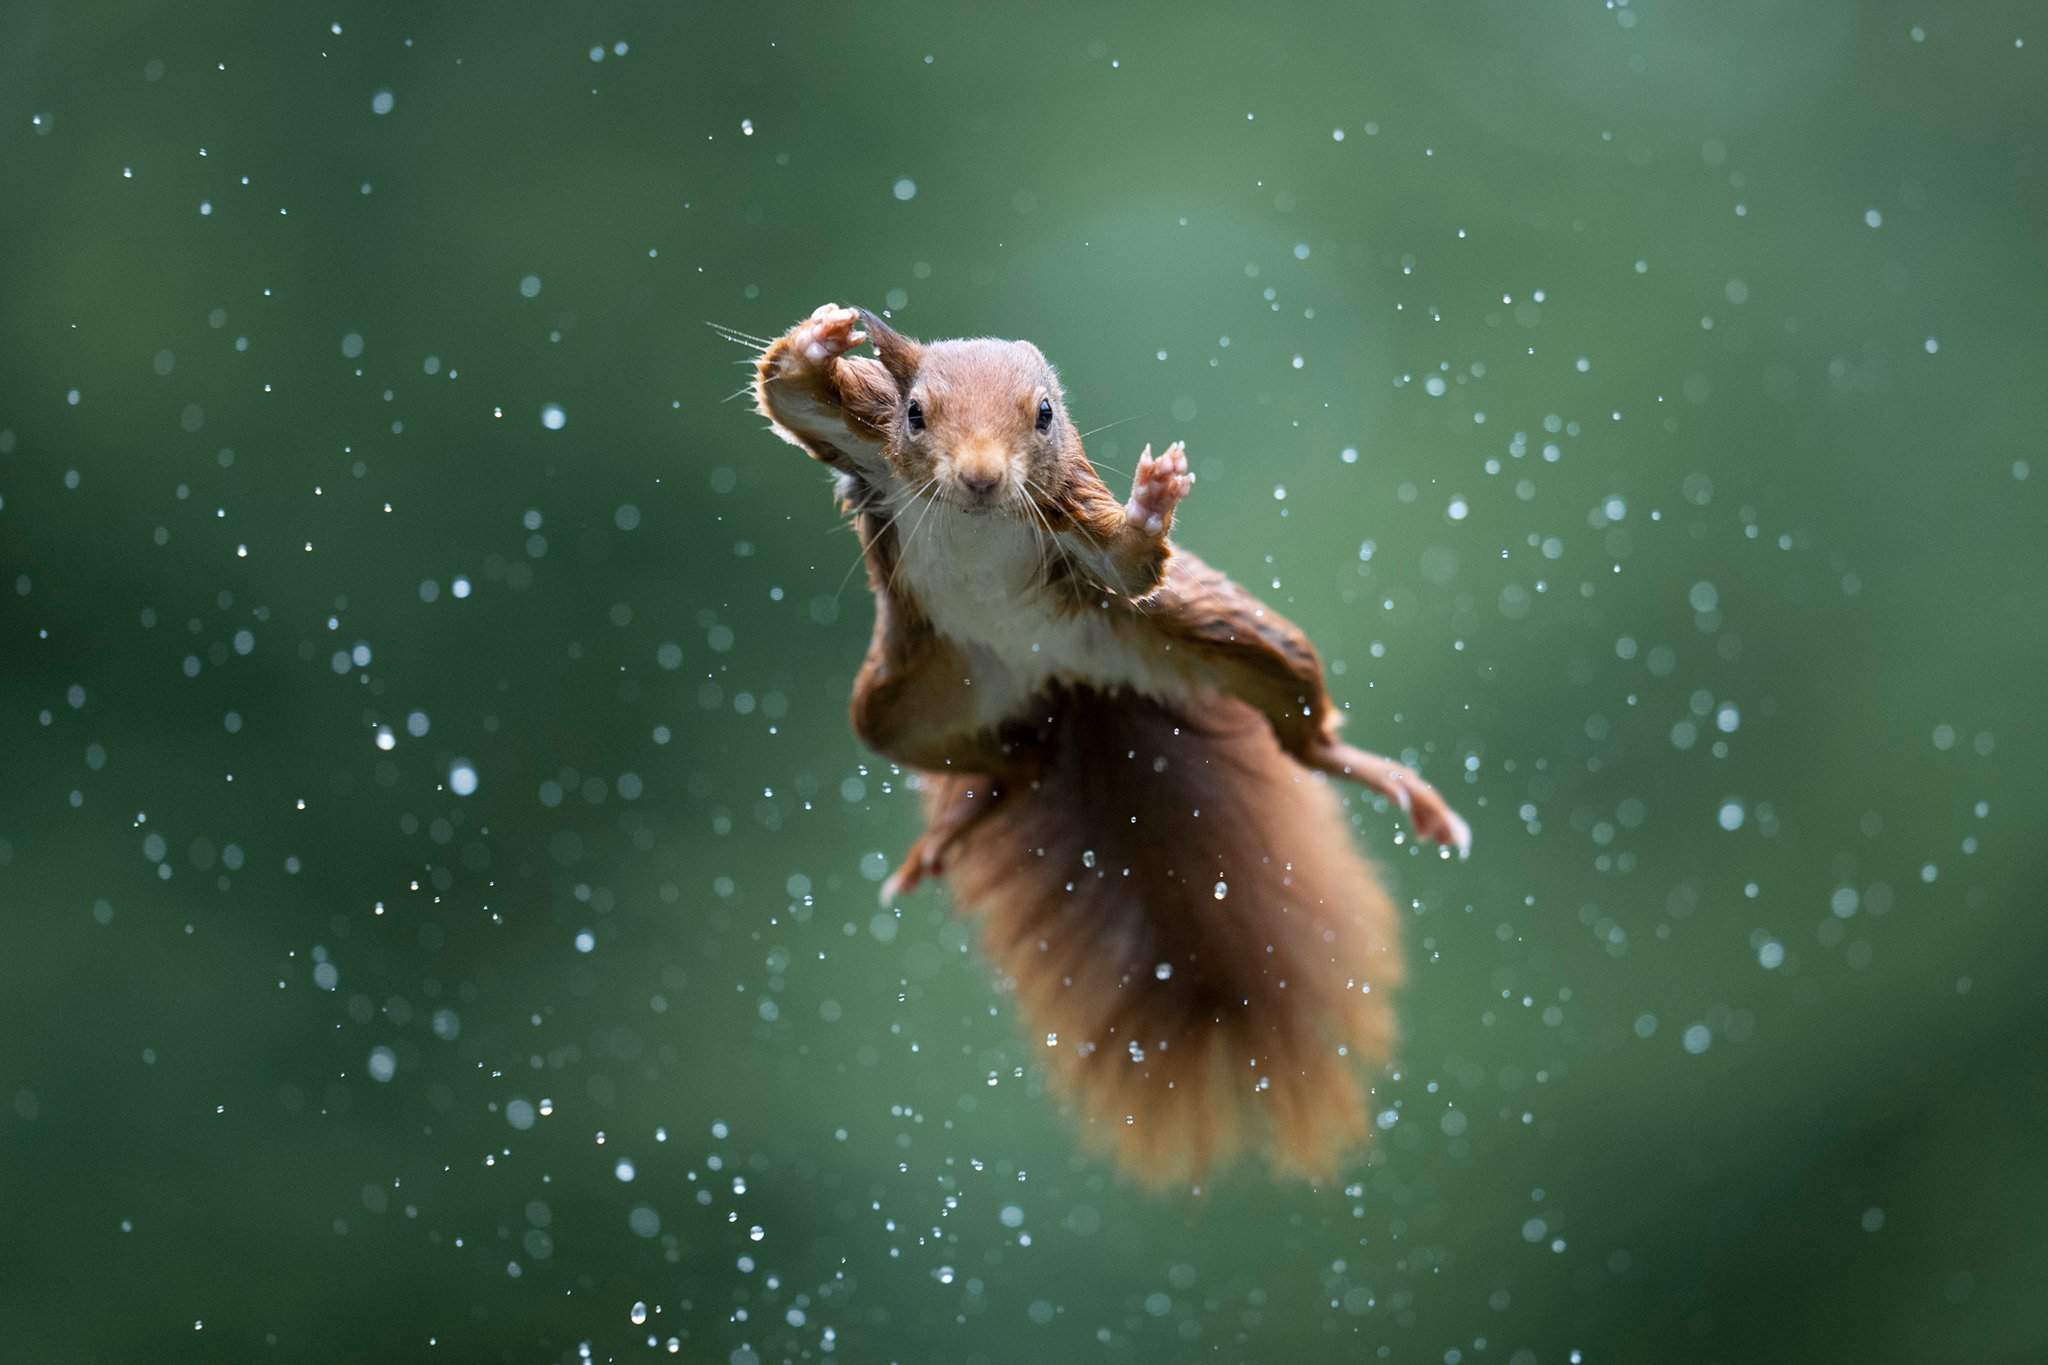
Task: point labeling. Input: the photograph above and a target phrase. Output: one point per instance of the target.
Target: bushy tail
(1201, 954)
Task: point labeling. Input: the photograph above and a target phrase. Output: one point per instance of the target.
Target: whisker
(865, 544)
(1041, 531)
(1138, 604)
(1065, 554)
(1084, 532)
(735, 334)
(858, 560)
(911, 539)
(1019, 499)
(1107, 425)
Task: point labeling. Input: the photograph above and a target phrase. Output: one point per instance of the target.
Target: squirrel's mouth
(972, 504)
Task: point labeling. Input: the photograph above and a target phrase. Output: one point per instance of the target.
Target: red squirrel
(1121, 754)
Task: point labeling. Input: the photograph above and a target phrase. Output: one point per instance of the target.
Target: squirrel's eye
(914, 414)
(1045, 414)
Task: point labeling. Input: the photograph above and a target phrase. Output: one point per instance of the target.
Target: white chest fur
(978, 579)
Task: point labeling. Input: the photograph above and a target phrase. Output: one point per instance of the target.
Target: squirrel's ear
(900, 355)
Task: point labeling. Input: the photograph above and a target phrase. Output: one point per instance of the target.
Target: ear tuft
(900, 355)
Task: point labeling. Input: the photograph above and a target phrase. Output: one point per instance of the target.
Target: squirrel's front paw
(1157, 488)
(821, 338)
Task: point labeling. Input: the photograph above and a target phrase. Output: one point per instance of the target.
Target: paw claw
(1157, 486)
(1439, 823)
(1428, 814)
(925, 859)
(828, 333)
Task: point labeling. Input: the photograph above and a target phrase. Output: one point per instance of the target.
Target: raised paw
(821, 338)
(1157, 488)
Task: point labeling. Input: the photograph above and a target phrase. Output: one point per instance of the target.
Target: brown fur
(1089, 835)
(1089, 878)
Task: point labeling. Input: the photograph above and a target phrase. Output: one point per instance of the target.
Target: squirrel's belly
(978, 581)
(1079, 647)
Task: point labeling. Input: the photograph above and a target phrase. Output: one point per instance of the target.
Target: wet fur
(1167, 723)
(1278, 996)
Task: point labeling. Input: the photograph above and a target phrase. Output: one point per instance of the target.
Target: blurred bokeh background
(437, 882)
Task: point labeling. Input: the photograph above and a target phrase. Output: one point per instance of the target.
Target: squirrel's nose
(982, 480)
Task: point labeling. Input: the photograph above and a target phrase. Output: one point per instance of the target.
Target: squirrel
(1121, 755)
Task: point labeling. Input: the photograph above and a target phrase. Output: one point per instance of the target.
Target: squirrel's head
(982, 421)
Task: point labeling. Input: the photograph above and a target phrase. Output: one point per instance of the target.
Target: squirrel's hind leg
(1424, 805)
(954, 804)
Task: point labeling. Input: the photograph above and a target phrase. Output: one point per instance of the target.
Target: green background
(1690, 358)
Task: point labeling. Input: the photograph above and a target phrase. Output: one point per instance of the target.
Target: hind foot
(1425, 807)
(957, 803)
(924, 860)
